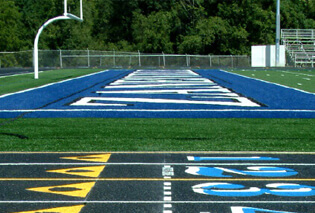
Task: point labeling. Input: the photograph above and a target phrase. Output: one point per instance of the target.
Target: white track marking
(159, 164)
(155, 202)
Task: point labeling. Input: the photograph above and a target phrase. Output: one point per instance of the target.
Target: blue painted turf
(55, 100)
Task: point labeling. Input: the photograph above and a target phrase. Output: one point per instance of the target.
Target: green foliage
(152, 33)
(10, 22)
(173, 26)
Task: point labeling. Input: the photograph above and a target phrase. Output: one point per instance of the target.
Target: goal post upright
(65, 16)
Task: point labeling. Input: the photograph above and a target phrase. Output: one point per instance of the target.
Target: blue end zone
(161, 94)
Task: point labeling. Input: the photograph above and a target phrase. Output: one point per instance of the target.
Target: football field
(154, 110)
(160, 94)
(204, 141)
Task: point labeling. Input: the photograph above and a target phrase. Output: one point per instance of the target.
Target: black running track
(204, 182)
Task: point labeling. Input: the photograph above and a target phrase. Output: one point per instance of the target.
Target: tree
(152, 33)
(172, 26)
(10, 24)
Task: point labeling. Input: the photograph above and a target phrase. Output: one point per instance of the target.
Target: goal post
(65, 16)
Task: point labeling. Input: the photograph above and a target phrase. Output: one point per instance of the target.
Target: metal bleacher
(300, 46)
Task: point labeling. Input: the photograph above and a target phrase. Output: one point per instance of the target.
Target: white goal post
(65, 16)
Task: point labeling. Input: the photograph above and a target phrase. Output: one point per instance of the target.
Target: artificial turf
(299, 79)
(109, 134)
(10, 84)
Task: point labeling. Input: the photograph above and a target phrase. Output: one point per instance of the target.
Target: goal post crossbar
(65, 16)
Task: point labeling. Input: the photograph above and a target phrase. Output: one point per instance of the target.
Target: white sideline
(47, 85)
(269, 82)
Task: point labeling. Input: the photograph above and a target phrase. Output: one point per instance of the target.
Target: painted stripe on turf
(157, 110)
(50, 84)
(269, 82)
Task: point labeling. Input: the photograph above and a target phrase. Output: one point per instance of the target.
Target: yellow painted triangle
(69, 209)
(93, 158)
(75, 190)
(91, 171)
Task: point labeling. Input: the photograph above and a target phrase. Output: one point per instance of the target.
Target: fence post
(88, 54)
(187, 60)
(60, 54)
(232, 61)
(249, 61)
(163, 59)
(114, 57)
(210, 60)
(139, 58)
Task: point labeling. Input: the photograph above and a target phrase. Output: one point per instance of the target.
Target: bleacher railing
(299, 34)
(300, 46)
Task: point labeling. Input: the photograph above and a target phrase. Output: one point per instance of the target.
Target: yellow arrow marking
(70, 209)
(75, 190)
(91, 171)
(93, 158)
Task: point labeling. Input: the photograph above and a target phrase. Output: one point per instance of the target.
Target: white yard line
(296, 73)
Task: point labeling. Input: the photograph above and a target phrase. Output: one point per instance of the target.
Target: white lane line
(158, 164)
(167, 152)
(167, 173)
(158, 202)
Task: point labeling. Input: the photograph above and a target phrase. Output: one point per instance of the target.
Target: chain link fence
(57, 59)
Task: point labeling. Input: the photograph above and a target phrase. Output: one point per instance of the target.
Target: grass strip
(109, 134)
(16, 83)
(299, 79)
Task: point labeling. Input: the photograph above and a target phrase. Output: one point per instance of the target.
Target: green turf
(100, 134)
(97, 134)
(25, 81)
(299, 79)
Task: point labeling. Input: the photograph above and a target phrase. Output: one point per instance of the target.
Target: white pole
(278, 33)
(65, 9)
(37, 39)
(81, 9)
(66, 16)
